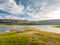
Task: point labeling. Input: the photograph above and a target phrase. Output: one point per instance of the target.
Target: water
(48, 28)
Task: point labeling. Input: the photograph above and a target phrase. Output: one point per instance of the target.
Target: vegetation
(30, 37)
(57, 26)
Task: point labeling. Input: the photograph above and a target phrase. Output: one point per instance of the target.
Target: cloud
(11, 6)
(55, 14)
(36, 13)
(4, 16)
(30, 9)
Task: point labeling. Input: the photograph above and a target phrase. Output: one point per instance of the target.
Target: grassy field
(30, 37)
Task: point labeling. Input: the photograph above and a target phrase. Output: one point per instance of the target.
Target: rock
(17, 30)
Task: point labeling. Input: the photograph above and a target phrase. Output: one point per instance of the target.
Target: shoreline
(14, 25)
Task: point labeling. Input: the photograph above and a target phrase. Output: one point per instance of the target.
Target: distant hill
(12, 21)
(42, 22)
(48, 22)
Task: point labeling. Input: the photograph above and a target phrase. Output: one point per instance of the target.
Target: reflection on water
(48, 28)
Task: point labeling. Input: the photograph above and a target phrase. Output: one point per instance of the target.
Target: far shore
(12, 25)
(58, 26)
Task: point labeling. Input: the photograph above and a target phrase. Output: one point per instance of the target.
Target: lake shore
(47, 28)
(30, 36)
(58, 26)
(13, 25)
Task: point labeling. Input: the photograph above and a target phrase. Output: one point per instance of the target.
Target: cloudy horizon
(30, 9)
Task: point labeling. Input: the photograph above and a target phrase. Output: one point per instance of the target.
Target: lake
(48, 28)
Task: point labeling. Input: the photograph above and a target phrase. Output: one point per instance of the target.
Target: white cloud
(11, 6)
(4, 16)
(37, 14)
(37, 10)
(54, 14)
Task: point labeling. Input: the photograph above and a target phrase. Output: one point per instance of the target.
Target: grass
(58, 26)
(27, 38)
(15, 24)
(6, 25)
(14, 39)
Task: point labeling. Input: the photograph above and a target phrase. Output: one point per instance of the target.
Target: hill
(26, 22)
(48, 22)
(30, 37)
(12, 21)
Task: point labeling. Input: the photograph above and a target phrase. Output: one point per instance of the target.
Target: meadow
(29, 37)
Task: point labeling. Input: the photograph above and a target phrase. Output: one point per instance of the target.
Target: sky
(30, 9)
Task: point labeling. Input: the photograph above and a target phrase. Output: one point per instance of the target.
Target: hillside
(30, 37)
(48, 22)
(12, 21)
(26, 22)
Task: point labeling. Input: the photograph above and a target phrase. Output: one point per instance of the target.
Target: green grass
(40, 38)
(7, 25)
(15, 24)
(14, 39)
